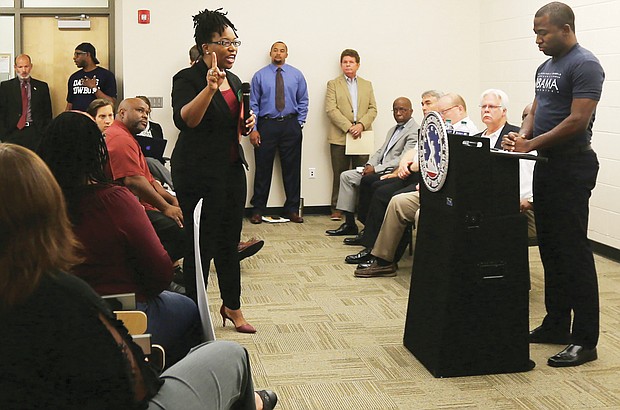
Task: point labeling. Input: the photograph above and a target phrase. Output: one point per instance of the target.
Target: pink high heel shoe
(247, 328)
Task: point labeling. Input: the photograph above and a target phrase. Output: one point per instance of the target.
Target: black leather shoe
(343, 230)
(367, 264)
(269, 399)
(573, 355)
(551, 336)
(356, 240)
(360, 257)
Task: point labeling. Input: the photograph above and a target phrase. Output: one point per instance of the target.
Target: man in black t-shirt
(559, 126)
(90, 82)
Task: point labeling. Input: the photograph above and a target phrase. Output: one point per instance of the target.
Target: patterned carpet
(328, 340)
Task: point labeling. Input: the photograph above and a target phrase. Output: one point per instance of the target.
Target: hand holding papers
(364, 145)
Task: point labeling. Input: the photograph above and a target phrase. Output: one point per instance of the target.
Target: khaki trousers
(402, 210)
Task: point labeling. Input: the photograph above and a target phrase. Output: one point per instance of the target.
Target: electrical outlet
(157, 102)
(311, 173)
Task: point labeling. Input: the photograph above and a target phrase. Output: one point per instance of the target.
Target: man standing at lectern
(559, 126)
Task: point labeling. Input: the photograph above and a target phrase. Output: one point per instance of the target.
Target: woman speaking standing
(208, 160)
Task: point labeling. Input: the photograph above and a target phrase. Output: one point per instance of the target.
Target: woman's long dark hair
(75, 151)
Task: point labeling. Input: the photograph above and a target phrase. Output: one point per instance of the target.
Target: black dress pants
(284, 137)
(378, 207)
(562, 189)
(224, 196)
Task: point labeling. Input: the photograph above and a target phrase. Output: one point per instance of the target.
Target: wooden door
(51, 50)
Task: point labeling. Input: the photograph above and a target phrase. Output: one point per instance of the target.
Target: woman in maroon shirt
(121, 250)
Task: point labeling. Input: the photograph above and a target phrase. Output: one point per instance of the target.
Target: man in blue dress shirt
(279, 98)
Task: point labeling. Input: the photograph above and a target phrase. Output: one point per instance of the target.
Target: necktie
(279, 90)
(392, 141)
(22, 120)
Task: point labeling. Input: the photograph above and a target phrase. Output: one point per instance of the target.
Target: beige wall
(403, 52)
(406, 48)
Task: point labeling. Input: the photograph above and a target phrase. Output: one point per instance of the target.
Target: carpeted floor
(328, 340)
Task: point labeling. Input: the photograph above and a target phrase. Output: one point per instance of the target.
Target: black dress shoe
(573, 355)
(356, 240)
(360, 257)
(368, 264)
(551, 336)
(343, 230)
(269, 398)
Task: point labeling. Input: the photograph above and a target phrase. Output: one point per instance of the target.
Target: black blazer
(203, 151)
(507, 128)
(11, 106)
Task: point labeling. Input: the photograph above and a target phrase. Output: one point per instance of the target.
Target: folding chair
(203, 301)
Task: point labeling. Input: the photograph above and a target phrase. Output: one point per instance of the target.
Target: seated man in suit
(403, 208)
(452, 107)
(375, 194)
(25, 106)
(400, 138)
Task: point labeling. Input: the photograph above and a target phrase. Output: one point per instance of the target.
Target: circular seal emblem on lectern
(433, 153)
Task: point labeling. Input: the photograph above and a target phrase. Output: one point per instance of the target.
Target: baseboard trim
(605, 250)
(308, 210)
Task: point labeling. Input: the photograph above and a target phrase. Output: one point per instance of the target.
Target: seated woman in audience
(122, 253)
(102, 111)
(61, 347)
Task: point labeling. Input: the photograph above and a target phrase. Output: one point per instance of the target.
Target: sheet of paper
(364, 145)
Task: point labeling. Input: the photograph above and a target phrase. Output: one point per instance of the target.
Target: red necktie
(22, 120)
(279, 90)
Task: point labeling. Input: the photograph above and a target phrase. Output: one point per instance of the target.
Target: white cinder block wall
(406, 48)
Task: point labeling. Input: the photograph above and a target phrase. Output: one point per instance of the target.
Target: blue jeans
(173, 322)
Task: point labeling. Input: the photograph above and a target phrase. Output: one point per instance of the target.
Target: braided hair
(208, 22)
(75, 151)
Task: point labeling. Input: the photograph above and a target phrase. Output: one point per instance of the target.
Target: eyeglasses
(226, 43)
(443, 112)
(490, 107)
(401, 109)
(77, 53)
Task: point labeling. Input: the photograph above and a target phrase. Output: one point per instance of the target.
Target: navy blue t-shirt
(578, 74)
(81, 96)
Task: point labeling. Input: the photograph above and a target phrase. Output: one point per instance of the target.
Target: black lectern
(468, 302)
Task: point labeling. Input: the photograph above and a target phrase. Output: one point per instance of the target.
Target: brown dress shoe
(256, 219)
(249, 248)
(336, 216)
(375, 270)
(294, 217)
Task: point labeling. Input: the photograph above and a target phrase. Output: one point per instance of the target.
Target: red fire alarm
(144, 16)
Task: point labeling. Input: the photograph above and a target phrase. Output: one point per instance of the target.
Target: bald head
(402, 109)
(23, 65)
(134, 113)
(452, 107)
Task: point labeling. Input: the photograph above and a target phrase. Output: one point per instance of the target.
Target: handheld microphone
(245, 90)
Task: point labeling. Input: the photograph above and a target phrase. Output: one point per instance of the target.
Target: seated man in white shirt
(452, 107)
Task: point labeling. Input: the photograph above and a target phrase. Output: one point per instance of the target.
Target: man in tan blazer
(351, 107)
